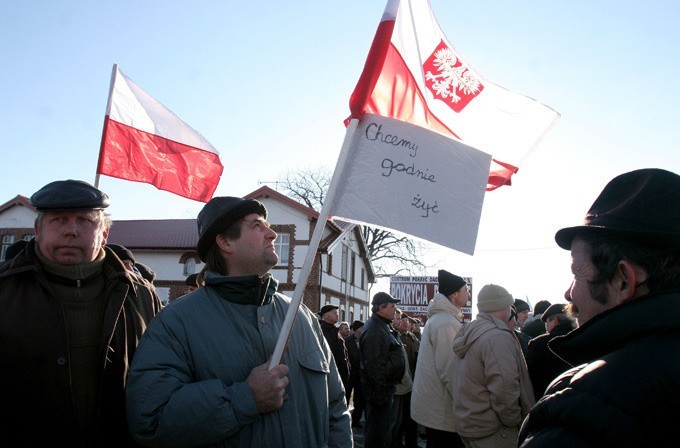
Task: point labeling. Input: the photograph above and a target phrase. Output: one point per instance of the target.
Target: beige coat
(491, 386)
(431, 399)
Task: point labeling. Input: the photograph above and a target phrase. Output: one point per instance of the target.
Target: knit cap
(493, 298)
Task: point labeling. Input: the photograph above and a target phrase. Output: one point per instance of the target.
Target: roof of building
(155, 233)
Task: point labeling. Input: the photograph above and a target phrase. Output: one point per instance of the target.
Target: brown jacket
(37, 406)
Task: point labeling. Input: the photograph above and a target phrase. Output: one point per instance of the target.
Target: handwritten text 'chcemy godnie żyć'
(389, 167)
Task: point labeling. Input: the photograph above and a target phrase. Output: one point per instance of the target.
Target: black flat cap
(145, 271)
(191, 280)
(326, 308)
(218, 214)
(357, 324)
(64, 195)
(555, 308)
(123, 252)
(383, 297)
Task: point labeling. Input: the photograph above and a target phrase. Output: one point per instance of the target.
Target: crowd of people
(90, 357)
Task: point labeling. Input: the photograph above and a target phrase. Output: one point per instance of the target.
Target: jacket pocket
(315, 362)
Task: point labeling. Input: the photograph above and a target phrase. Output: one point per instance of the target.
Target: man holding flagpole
(202, 375)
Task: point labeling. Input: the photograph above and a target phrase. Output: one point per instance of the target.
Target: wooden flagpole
(314, 245)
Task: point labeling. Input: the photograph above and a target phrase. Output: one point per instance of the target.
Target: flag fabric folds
(144, 141)
(414, 74)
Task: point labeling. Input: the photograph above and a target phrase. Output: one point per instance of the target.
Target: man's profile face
(387, 311)
(581, 292)
(253, 253)
(71, 237)
(331, 316)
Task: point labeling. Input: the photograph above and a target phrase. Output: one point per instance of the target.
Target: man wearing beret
(329, 317)
(432, 396)
(383, 365)
(201, 376)
(70, 319)
(492, 391)
(625, 292)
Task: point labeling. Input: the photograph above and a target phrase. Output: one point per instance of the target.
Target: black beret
(383, 297)
(69, 195)
(122, 252)
(326, 308)
(356, 325)
(218, 214)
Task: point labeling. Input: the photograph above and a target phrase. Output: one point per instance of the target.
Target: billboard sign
(415, 294)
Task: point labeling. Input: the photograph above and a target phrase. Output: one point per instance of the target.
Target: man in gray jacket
(492, 391)
(202, 375)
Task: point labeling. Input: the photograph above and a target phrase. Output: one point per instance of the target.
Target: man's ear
(628, 281)
(224, 244)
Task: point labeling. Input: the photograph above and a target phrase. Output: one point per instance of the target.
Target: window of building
(363, 278)
(282, 246)
(329, 265)
(28, 237)
(345, 263)
(354, 267)
(7, 240)
(190, 266)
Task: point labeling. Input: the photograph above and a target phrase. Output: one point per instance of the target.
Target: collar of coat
(244, 290)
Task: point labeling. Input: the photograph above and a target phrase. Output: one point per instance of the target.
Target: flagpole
(313, 245)
(106, 122)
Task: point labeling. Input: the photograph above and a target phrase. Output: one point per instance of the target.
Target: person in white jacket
(431, 397)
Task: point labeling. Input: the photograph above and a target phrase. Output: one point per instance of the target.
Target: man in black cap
(626, 296)
(191, 282)
(544, 366)
(71, 316)
(329, 317)
(382, 367)
(534, 326)
(201, 375)
(355, 389)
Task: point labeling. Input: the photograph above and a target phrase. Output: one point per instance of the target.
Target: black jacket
(625, 391)
(382, 359)
(544, 366)
(337, 344)
(354, 356)
(35, 383)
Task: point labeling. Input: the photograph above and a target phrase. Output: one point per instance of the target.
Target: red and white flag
(414, 74)
(144, 141)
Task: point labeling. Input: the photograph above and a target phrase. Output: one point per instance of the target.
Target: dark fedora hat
(640, 206)
(218, 214)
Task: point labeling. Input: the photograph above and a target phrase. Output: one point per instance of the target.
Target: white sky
(268, 84)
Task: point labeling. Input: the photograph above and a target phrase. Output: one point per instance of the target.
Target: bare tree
(391, 254)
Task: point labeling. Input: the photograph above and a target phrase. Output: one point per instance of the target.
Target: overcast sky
(268, 84)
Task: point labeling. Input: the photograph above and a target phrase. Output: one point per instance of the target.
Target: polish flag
(414, 74)
(144, 141)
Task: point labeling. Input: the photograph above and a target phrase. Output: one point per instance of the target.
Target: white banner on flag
(405, 178)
